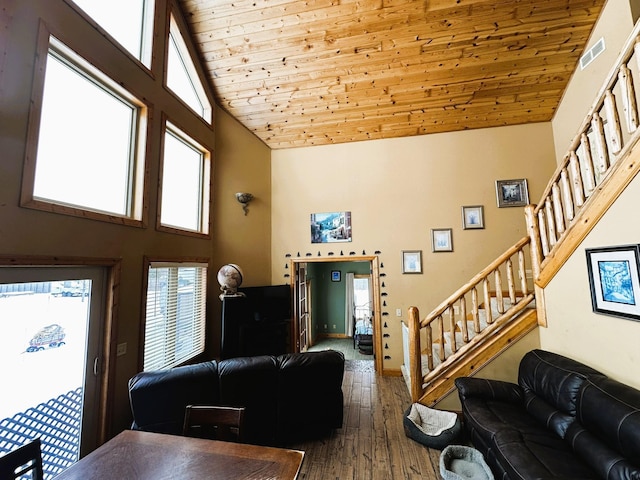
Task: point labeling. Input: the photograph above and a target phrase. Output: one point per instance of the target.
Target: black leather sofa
(563, 420)
(287, 398)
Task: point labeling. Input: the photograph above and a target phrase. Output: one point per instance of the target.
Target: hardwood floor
(371, 444)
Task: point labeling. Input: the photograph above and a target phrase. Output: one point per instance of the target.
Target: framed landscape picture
(614, 280)
(512, 193)
(331, 227)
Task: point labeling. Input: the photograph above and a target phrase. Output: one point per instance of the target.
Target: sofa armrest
(469, 387)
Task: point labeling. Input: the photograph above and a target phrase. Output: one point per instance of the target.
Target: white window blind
(175, 314)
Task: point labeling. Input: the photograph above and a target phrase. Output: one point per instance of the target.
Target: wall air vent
(591, 54)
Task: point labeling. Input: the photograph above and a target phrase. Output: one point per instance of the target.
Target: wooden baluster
(474, 307)
(442, 340)
(587, 163)
(487, 300)
(576, 179)
(544, 236)
(630, 107)
(557, 209)
(510, 283)
(429, 333)
(498, 284)
(452, 329)
(550, 222)
(566, 194)
(535, 250)
(415, 355)
(613, 122)
(522, 272)
(602, 155)
(463, 319)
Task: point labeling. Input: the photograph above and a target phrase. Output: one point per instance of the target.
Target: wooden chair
(21, 461)
(218, 423)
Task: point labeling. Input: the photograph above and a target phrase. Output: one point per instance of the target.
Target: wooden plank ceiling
(317, 72)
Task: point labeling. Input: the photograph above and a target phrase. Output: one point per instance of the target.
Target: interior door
(51, 331)
(302, 308)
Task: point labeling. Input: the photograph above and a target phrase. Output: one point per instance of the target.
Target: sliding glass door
(51, 328)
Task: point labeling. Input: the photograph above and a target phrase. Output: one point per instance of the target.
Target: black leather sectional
(288, 397)
(563, 420)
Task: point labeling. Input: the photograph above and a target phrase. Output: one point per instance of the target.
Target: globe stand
(222, 296)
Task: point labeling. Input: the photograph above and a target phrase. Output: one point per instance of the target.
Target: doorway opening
(337, 302)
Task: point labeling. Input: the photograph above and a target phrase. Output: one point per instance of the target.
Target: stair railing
(597, 167)
(508, 299)
(597, 151)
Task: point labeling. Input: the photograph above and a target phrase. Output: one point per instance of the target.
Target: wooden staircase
(601, 162)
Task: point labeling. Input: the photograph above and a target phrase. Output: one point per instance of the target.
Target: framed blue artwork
(614, 280)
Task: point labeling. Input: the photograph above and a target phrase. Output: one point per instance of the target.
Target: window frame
(206, 183)
(149, 263)
(136, 216)
(147, 33)
(185, 46)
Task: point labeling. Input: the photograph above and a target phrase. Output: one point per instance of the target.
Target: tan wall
(614, 25)
(606, 343)
(399, 189)
(241, 163)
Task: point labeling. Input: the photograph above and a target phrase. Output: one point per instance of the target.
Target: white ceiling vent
(591, 54)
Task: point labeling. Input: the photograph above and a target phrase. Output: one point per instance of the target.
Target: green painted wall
(327, 297)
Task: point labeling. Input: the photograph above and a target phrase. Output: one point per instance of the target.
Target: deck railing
(595, 170)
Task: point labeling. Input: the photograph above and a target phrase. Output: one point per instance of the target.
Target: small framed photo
(441, 240)
(473, 217)
(614, 280)
(412, 261)
(336, 275)
(512, 193)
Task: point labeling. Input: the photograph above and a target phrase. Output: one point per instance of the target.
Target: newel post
(415, 359)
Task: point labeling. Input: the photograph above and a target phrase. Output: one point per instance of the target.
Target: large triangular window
(182, 75)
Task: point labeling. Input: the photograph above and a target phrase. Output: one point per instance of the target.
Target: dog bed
(430, 427)
(459, 462)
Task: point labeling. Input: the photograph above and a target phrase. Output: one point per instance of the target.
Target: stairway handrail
(475, 280)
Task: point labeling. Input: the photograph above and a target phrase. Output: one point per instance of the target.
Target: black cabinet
(258, 323)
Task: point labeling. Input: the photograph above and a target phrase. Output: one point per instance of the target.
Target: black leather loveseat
(564, 420)
(287, 398)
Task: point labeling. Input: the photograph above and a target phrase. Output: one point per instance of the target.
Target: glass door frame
(105, 348)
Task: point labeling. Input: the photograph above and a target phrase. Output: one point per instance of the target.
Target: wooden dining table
(136, 455)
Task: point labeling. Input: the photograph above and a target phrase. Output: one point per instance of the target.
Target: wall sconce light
(244, 199)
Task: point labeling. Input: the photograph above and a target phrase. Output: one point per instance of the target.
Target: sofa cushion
(551, 384)
(319, 376)
(607, 431)
(538, 453)
(158, 398)
(251, 382)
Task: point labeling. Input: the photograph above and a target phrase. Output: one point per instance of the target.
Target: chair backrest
(21, 461)
(218, 423)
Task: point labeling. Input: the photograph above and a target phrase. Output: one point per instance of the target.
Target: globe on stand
(230, 278)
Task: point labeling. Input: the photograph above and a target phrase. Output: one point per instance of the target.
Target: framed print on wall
(473, 217)
(512, 193)
(335, 275)
(614, 280)
(331, 227)
(412, 261)
(441, 240)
